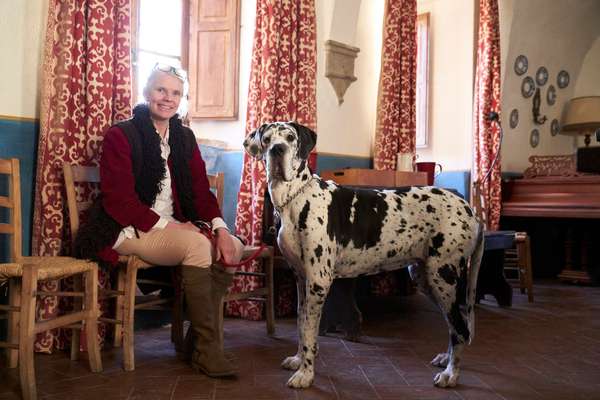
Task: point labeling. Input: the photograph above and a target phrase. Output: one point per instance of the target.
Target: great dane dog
(330, 231)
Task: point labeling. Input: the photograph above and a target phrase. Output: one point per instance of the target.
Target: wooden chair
(518, 260)
(23, 274)
(517, 250)
(265, 293)
(125, 293)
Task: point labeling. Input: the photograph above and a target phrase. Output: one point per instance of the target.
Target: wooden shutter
(213, 58)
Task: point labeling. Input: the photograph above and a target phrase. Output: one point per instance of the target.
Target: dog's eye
(267, 140)
(290, 138)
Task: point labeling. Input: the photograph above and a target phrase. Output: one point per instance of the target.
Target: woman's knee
(198, 251)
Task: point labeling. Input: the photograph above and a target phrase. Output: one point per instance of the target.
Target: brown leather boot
(221, 280)
(207, 355)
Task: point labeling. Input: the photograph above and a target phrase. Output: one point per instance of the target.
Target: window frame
(422, 83)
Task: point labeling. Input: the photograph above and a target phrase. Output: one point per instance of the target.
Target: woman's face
(164, 95)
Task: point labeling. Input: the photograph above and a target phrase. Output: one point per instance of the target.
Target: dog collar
(280, 208)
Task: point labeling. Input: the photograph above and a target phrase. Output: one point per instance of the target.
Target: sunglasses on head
(169, 69)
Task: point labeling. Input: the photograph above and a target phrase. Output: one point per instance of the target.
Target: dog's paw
(292, 363)
(441, 360)
(445, 379)
(302, 378)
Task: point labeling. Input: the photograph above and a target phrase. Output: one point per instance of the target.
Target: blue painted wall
(18, 139)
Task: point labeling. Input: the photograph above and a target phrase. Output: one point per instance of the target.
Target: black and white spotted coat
(329, 231)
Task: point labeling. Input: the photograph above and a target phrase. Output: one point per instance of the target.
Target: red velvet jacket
(120, 200)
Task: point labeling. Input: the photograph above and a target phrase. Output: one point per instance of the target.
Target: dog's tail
(472, 285)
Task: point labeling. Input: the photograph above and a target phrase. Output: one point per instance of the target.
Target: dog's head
(284, 145)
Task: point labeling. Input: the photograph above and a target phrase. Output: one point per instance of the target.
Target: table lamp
(581, 116)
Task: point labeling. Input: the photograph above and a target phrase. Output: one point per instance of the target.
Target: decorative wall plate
(554, 127)
(534, 138)
(541, 76)
(521, 65)
(514, 118)
(527, 87)
(562, 80)
(551, 95)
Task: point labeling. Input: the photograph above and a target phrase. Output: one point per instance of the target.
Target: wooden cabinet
(375, 178)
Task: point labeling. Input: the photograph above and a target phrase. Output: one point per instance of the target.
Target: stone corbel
(339, 66)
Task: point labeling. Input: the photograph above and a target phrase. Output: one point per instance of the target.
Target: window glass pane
(160, 26)
(145, 63)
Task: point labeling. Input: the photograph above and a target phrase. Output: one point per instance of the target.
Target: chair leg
(128, 314)
(524, 264)
(77, 305)
(119, 308)
(26, 333)
(14, 295)
(270, 303)
(177, 336)
(91, 321)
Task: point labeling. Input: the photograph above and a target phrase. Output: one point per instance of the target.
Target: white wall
(22, 28)
(588, 81)
(560, 37)
(451, 58)
(349, 128)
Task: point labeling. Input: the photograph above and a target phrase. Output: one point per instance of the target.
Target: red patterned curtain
(86, 87)
(395, 131)
(282, 88)
(486, 134)
(396, 104)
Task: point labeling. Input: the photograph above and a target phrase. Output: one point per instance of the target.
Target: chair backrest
(217, 183)
(12, 202)
(77, 174)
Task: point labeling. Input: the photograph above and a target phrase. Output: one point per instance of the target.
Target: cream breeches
(171, 247)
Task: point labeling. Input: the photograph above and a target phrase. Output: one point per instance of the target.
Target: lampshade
(581, 114)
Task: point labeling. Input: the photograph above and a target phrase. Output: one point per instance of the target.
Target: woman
(153, 185)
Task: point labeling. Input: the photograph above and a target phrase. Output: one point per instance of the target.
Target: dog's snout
(254, 149)
(277, 150)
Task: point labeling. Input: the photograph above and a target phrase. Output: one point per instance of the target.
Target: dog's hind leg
(293, 362)
(316, 292)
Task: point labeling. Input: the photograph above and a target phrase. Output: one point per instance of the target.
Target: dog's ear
(253, 143)
(307, 139)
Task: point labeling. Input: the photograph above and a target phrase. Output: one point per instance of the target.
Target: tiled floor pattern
(546, 350)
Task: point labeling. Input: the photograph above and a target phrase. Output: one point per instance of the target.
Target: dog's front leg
(293, 362)
(316, 292)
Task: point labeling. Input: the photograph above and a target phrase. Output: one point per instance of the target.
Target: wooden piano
(573, 198)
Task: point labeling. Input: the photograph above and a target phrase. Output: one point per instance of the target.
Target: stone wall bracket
(339, 66)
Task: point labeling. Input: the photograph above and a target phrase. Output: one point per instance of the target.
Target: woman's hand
(225, 246)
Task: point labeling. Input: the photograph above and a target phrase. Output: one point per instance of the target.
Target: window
(158, 39)
(202, 36)
(422, 95)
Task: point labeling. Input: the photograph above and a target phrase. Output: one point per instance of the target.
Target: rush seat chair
(23, 275)
(127, 276)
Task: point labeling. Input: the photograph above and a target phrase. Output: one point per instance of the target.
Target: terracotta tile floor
(546, 350)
